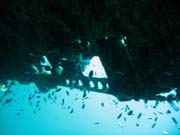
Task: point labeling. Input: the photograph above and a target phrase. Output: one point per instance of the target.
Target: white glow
(80, 83)
(165, 94)
(100, 86)
(95, 65)
(91, 84)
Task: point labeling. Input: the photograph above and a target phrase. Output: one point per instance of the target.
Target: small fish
(130, 112)
(49, 96)
(30, 97)
(149, 118)
(18, 114)
(120, 124)
(37, 102)
(83, 106)
(127, 108)
(102, 104)
(139, 115)
(165, 132)
(119, 116)
(67, 93)
(125, 119)
(153, 125)
(174, 120)
(8, 100)
(57, 90)
(91, 74)
(52, 93)
(115, 102)
(168, 112)
(160, 112)
(84, 93)
(37, 105)
(137, 125)
(62, 102)
(96, 123)
(75, 99)
(155, 119)
(72, 110)
(38, 96)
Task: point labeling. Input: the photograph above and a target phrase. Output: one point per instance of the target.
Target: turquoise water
(26, 111)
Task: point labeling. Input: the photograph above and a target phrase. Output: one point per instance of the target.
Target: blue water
(25, 111)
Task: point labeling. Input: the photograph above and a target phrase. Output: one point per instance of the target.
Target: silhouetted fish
(96, 123)
(72, 110)
(168, 112)
(156, 118)
(38, 96)
(102, 104)
(84, 93)
(119, 116)
(8, 100)
(127, 108)
(174, 120)
(75, 99)
(130, 112)
(139, 115)
(153, 125)
(67, 93)
(83, 106)
(125, 119)
(57, 90)
(62, 102)
(137, 125)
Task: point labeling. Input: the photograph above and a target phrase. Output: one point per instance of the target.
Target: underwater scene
(69, 110)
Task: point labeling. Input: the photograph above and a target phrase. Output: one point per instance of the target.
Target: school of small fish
(35, 99)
